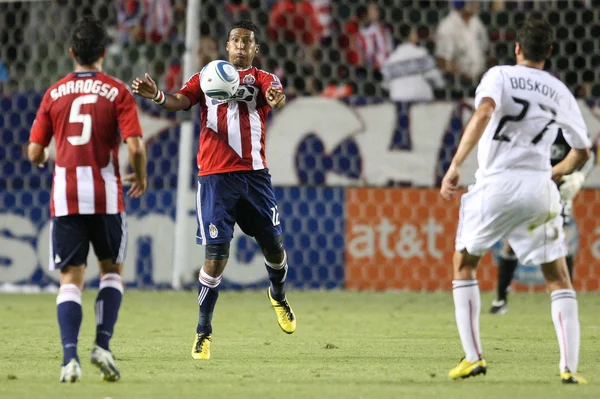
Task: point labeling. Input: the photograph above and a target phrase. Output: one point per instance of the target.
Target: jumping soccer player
(234, 184)
(84, 112)
(519, 110)
(568, 186)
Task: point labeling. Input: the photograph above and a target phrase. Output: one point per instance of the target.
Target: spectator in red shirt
(370, 41)
(295, 21)
(145, 20)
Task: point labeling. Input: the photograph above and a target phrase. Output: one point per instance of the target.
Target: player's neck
(88, 68)
(242, 67)
(532, 64)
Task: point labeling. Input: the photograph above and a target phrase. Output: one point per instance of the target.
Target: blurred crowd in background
(409, 50)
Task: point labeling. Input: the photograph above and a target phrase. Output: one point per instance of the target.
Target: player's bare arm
(469, 140)
(575, 159)
(138, 159)
(275, 97)
(37, 154)
(147, 88)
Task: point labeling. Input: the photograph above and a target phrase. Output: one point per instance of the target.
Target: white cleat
(71, 372)
(105, 361)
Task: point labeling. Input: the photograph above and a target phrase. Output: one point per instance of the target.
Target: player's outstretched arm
(575, 159)
(469, 140)
(171, 102)
(138, 160)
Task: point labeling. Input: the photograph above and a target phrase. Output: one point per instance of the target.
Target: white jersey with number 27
(531, 107)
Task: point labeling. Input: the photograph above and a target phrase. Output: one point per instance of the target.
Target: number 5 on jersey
(86, 119)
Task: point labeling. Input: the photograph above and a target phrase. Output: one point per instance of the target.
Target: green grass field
(348, 345)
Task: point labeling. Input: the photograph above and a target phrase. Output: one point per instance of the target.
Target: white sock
(467, 306)
(68, 293)
(112, 280)
(566, 322)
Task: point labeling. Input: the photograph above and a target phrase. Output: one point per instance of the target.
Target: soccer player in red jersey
(88, 113)
(234, 184)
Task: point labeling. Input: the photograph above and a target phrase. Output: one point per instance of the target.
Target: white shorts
(526, 211)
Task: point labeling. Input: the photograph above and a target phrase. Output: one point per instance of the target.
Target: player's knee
(107, 266)
(465, 265)
(557, 274)
(272, 247)
(73, 274)
(217, 252)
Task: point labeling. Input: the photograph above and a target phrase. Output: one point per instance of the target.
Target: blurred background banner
(362, 142)
(378, 95)
(355, 238)
(314, 239)
(404, 240)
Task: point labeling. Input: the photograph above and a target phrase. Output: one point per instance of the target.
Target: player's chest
(248, 94)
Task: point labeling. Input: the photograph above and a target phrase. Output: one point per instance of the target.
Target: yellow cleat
(572, 378)
(285, 314)
(201, 347)
(466, 369)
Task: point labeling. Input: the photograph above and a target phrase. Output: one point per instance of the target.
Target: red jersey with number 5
(232, 132)
(89, 114)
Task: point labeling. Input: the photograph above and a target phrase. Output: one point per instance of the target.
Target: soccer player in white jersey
(234, 184)
(88, 113)
(568, 186)
(519, 110)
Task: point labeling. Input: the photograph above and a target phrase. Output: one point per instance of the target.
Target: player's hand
(145, 87)
(275, 97)
(450, 182)
(570, 185)
(46, 155)
(138, 187)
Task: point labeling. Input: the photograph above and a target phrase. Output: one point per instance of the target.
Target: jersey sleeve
(573, 125)
(127, 116)
(269, 80)
(490, 86)
(41, 130)
(191, 89)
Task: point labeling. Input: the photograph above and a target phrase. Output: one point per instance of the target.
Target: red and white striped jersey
(232, 133)
(375, 44)
(89, 114)
(323, 9)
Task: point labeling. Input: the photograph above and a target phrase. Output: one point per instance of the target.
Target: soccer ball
(219, 80)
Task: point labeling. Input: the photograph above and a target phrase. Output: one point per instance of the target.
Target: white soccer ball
(219, 80)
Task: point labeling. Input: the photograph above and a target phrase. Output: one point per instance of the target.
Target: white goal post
(184, 167)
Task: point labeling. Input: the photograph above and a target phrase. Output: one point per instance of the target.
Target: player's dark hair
(535, 37)
(246, 24)
(88, 40)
